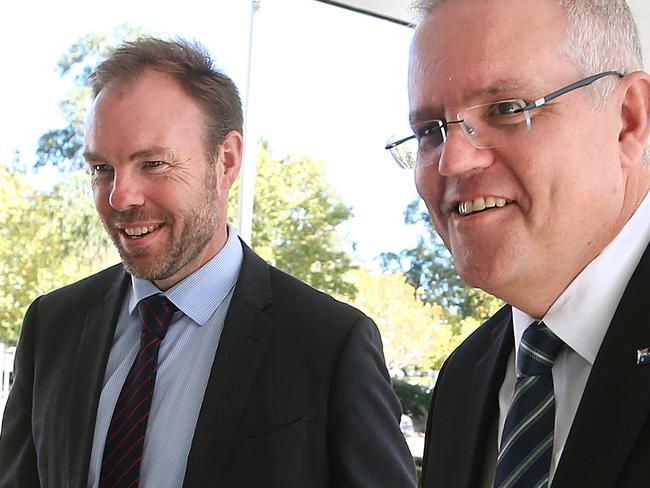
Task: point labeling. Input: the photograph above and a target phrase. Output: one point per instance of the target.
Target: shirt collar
(582, 313)
(199, 294)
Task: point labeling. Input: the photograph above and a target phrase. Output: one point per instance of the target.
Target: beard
(189, 234)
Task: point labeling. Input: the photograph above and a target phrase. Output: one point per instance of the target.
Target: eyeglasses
(487, 125)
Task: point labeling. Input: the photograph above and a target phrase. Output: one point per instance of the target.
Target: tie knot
(538, 349)
(156, 314)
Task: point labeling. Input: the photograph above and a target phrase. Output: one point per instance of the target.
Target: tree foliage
(429, 268)
(415, 400)
(295, 218)
(417, 336)
(46, 239)
(62, 147)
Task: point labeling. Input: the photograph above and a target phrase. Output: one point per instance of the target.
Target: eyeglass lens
(486, 125)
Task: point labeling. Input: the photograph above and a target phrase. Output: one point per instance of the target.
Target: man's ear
(230, 157)
(635, 118)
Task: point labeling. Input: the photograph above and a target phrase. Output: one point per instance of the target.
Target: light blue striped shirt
(184, 364)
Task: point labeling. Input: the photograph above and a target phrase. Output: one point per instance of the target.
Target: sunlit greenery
(47, 238)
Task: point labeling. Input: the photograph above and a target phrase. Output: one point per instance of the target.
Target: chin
(143, 270)
(486, 275)
(139, 271)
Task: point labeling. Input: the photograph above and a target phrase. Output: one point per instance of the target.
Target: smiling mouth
(480, 204)
(139, 231)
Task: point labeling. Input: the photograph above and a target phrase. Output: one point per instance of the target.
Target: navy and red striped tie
(126, 432)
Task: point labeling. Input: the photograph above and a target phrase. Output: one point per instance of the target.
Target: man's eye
(504, 108)
(427, 129)
(506, 113)
(430, 136)
(101, 168)
(153, 164)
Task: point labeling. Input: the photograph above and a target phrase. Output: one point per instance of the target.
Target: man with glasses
(530, 121)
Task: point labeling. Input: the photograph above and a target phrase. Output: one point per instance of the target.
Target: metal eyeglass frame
(530, 106)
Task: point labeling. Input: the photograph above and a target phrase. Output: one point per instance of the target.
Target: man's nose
(126, 192)
(459, 157)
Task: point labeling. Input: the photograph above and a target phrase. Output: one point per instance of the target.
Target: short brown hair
(191, 65)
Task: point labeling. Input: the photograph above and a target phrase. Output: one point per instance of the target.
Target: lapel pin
(643, 356)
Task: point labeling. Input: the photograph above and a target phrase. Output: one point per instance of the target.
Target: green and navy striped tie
(527, 442)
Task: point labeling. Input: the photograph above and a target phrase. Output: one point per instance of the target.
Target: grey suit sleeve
(18, 466)
(366, 446)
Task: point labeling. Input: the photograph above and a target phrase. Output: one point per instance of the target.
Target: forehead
(152, 98)
(472, 50)
(150, 109)
(149, 88)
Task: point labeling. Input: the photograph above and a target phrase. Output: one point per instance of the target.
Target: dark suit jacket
(609, 442)
(298, 396)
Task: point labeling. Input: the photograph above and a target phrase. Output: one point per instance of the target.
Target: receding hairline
(121, 84)
(171, 56)
(190, 64)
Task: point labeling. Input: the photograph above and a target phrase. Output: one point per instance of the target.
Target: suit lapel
(616, 400)
(488, 377)
(87, 374)
(239, 354)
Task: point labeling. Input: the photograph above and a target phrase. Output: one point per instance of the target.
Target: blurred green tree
(46, 239)
(295, 218)
(414, 333)
(429, 268)
(61, 148)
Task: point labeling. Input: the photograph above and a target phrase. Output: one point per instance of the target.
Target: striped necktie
(126, 432)
(527, 442)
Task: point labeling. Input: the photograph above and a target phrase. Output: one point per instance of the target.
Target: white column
(248, 169)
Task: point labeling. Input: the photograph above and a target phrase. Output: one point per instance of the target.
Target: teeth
(480, 203)
(138, 231)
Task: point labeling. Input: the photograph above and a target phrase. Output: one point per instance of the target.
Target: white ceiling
(641, 10)
(398, 10)
(395, 10)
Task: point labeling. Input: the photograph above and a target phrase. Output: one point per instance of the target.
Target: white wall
(400, 10)
(641, 10)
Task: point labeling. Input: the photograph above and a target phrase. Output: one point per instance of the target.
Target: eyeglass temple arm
(391, 145)
(578, 84)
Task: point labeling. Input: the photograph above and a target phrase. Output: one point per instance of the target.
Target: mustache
(134, 215)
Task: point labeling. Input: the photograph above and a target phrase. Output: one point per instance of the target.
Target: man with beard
(193, 363)
(530, 121)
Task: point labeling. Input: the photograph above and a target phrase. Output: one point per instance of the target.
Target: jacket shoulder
(79, 293)
(306, 299)
(286, 297)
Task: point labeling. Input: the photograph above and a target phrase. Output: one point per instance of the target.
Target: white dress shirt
(580, 317)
